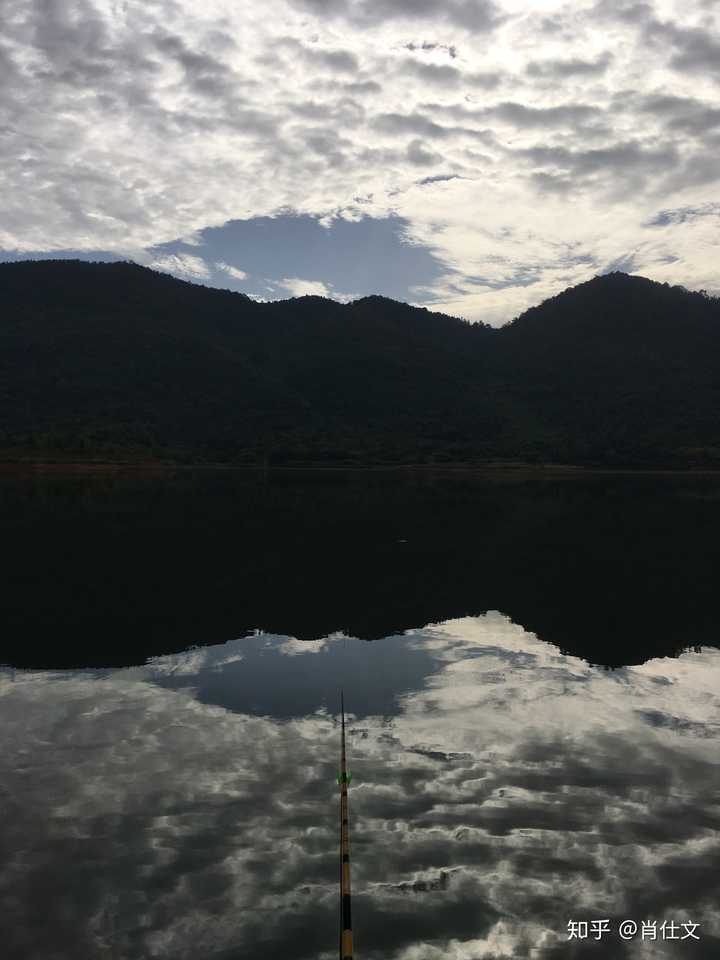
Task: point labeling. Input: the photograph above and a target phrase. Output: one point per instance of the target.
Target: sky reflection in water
(188, 807)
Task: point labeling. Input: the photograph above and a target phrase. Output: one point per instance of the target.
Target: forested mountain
(114, 361)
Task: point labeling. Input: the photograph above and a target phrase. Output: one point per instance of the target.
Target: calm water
(503, 786)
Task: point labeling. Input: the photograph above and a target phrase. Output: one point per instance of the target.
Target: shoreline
(492, 468)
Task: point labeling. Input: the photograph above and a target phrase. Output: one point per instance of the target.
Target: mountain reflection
(500, 789)
(111, 569)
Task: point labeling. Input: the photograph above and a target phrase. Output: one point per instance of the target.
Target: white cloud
(126, 126)
(297, 287)
(304, 288)
(183, 265)
(192, 239)
(292, 647)
(231, 271)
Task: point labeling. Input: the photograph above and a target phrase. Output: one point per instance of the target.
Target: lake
(532, 681)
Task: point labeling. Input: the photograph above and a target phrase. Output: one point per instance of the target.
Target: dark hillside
(620, 370)
(115, 361)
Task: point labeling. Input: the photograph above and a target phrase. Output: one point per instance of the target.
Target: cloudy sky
(159, 811)
(478, 155)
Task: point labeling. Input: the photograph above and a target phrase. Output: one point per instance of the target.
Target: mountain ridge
(117, 361)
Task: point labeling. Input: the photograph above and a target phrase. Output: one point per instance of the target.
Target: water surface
(533, 681)
(188, 807)
(107, 570)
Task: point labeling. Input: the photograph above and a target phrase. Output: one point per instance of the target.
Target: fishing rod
(344, 778)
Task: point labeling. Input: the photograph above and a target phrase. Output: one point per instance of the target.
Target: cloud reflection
(511, 789)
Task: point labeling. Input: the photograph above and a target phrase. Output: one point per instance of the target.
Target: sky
(510, 790)
(476, 156)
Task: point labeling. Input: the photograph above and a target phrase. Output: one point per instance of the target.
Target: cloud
(521, 115)
(334, 60)
(692, 47)
(682, 114)
(126, 127)
(182, 265)
(439, 74)
(361, 87)
(624, 264)
(297, 287)
(419, 155)
(474, 15)
(231, 271)
(695, 50)
(559, 69)
(684, 215)
(627, 158)
(399, 124)
(203, 73)
(340, 61)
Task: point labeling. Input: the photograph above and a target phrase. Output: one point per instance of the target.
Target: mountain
(114, 361)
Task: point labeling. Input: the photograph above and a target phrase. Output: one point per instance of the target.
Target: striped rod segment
(346, 940)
